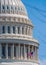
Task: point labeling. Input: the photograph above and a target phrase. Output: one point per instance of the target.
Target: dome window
(8, 29)
(3, 7)
(7, 7)
(3, 29)
(13, 29)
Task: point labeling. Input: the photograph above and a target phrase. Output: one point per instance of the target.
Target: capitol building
(16, 35)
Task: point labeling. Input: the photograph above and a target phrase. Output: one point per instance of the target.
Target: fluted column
(12, 51)
(36, 53)
(6, 30)
(6, 51)
(28, 51)
(16, 30)
(17, 54)
(20, 29)
(25, 30)
(19, 51)
(24, 52)
(0, 50)
(11, 29)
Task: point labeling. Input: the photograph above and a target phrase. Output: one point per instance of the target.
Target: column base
(18, 63)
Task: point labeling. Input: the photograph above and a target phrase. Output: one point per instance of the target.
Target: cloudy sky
(37, 13)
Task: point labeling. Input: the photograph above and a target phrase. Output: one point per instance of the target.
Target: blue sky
(38, 18)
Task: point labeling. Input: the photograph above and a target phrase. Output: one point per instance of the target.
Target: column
(0, 50)
(7, 51)
(28, 51)
(36, 53)
(20, 29)
(11, 29)
(12, 51)
(25, 30)
(19, 51)
(16, 30)
(6, 29)
(28, 31)
(24, 52)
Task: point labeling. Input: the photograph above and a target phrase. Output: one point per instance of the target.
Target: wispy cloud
(43, 62)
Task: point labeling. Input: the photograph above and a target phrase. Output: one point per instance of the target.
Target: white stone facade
(16, 39)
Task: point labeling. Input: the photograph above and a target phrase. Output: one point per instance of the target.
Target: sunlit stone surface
(16, 39)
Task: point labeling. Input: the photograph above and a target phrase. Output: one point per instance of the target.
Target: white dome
(16, 38)
(10, 10)
(16, 6)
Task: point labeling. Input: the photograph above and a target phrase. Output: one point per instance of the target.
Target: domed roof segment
(14, 5)
(12, 9)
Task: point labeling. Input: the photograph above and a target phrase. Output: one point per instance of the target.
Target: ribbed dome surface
(12, 6)
(13, 10)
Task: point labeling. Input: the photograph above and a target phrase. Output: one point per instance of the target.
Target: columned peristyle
(17, 51)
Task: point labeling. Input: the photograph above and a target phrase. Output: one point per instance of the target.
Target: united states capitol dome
(12, 6)
(13, 10)
(16, 35)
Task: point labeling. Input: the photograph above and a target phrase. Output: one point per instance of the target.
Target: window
(7, 7)
(22, 30)
(8, 29)
(3, 29)
(13, 29)
(3, 7)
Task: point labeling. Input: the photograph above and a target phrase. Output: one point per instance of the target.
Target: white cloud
(43, 62)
